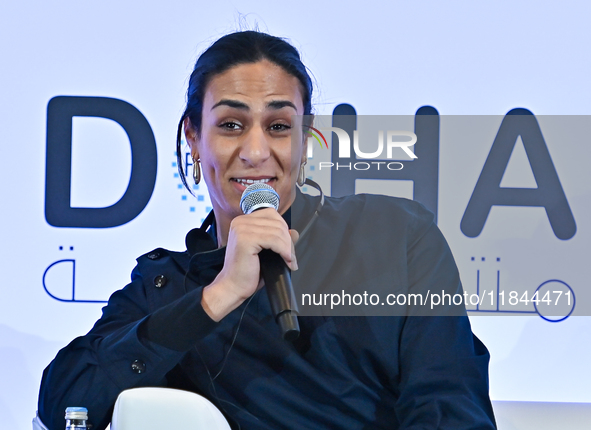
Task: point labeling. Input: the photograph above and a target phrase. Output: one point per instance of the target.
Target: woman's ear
(191, 137)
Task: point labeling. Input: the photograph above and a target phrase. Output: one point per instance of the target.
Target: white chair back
(152, 408)
(542, 415)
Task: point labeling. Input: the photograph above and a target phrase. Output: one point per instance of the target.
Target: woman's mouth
(246, 182)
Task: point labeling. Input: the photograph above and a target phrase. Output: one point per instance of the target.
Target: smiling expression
(246, 136)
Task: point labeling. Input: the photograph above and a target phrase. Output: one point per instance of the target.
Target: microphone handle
(277, 277)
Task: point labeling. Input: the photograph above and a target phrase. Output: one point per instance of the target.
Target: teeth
(247, 182)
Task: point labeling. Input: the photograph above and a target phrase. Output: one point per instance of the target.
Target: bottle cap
(76, 413)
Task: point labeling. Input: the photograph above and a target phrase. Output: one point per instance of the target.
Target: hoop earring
(196, 172)
(302, 175)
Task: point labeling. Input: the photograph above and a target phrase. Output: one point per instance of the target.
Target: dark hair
(242, 47)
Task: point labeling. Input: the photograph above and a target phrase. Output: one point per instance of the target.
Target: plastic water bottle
(76, 418)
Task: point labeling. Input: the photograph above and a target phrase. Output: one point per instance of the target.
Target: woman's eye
(230, 125)
(279, 127)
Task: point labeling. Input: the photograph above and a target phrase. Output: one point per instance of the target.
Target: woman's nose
(255, 148)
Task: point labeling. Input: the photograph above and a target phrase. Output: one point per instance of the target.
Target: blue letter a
(549, 193)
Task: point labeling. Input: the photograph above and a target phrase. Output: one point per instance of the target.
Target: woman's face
(246, 135)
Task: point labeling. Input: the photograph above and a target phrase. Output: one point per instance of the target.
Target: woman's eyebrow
(275, 104)
(231, 103)
(278, 104)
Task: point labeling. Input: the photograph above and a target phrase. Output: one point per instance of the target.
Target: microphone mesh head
(258, 196)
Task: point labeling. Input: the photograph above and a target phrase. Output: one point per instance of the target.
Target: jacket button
(154, 255)
(138, 366)
(160, 281)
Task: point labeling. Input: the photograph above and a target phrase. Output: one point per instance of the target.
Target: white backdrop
(381, 57)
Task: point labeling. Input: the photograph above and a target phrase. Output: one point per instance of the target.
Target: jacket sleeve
(115, 355)
(443, 366)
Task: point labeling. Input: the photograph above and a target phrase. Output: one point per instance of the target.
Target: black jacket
(344, 372)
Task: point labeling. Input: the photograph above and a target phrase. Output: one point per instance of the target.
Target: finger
(295, 236)
(266, 231)
(279, 240)
(267, 214)
(283, 245)
(263, 217)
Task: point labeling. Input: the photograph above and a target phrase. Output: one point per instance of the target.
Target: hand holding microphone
(274, 271)
(250, 240)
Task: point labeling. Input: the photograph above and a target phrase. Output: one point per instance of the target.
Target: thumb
(295, 236)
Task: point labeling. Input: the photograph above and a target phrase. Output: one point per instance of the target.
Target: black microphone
(274, 271)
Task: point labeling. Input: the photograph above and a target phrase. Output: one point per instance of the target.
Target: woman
(195, 321)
